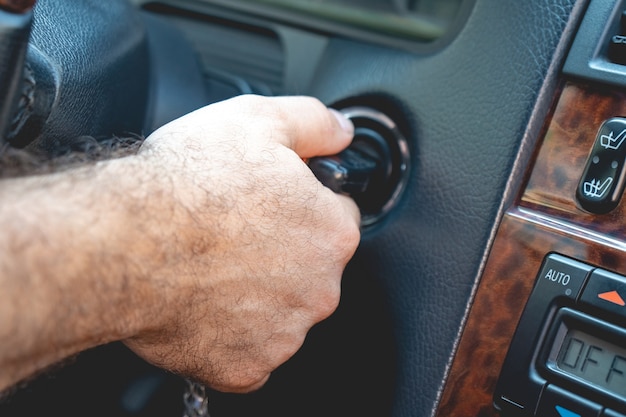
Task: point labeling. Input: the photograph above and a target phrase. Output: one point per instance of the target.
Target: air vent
(248, 58)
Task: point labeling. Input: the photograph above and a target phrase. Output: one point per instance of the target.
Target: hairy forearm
(211, 252)
(68, 258)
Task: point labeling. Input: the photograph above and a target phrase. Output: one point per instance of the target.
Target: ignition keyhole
(373, 169)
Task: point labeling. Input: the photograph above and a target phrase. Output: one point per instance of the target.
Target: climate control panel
(568, 355)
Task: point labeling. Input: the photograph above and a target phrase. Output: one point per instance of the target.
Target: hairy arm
(210, 253)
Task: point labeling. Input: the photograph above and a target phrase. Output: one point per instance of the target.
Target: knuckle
(347, 242)
(327, 302)
(240, 382)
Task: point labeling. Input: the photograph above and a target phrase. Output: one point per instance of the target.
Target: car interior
(488, 162)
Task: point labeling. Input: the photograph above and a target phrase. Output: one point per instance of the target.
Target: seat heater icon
(596, 189)
(613, 143)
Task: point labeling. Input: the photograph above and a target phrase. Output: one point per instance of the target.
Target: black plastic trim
(588, 57)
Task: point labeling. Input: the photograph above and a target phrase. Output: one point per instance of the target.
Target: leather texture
(468, 106)
(98, 55)
(104, 69)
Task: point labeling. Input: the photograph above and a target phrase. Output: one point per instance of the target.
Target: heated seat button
(606, 291)
(602, 183)
(556, 402)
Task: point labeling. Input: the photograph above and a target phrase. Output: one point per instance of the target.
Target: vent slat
(253, 55)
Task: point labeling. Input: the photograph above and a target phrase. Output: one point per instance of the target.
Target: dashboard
(494, 285)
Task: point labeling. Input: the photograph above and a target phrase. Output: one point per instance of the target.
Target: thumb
(310, 128)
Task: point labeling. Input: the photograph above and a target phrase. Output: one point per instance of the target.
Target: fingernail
(344, 122)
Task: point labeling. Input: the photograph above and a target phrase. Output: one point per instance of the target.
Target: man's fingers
(303, 124)
(311, 129)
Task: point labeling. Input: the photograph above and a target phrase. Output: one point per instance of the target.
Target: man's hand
(211, 253)
(259, 243)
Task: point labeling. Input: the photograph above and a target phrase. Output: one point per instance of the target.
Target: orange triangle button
(612, 297)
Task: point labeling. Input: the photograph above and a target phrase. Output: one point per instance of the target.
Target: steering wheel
(92, 69)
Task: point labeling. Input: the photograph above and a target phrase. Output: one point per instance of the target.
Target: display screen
(600, 363)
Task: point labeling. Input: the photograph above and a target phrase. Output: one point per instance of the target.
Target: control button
(617, 43)
(560, 276)
(611, 413)
(519, 386)
(607, 291)
(617, 49)
(556, 402)
(602, 182)
(612, 297)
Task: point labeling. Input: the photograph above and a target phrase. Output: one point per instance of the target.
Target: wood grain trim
(17, 6)
(562, 157)
(545, 218)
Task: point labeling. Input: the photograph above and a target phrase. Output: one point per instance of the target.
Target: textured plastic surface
(176, 83)
(589, 56)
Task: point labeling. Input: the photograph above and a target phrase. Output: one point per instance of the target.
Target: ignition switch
(373, 169)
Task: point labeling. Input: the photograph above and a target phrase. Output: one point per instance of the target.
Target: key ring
(196, 400)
